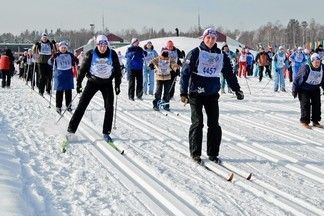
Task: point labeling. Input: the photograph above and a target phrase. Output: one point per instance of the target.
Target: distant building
(114, 42)
(16, 48)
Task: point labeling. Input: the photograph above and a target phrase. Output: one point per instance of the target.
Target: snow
(261, 134)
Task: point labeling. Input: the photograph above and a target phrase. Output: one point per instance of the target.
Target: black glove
(277, 70)
(37, 43)
(53, 42)
(117, 90)
(152, 66)
(177, 72)
(294, 94)
(79, 89)
(184, 98)
(239, 95)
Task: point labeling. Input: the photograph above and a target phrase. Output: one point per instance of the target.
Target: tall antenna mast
(103, 23)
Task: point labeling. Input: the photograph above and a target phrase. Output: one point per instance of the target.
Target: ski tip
(249, 177)
(230, 178)
(122, 152)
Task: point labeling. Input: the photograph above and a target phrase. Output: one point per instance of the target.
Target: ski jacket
(192, 78)
(308, 78)
(86, 64)
(297, 59)
(163, 67)
(45, 50)
(151, 54)
(280, 60)
(262, 58)
(7, 60)
(134, 56)
(63, 74)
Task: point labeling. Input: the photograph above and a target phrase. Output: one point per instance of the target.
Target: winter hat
(44, 35)
(134, 40)
(300, 48)
(63, 44)
(315, 57)
(102, 40)
(169, 43)
(149, 43)
(280, 48)
(210, 32)
(306, 51)
(164, 49)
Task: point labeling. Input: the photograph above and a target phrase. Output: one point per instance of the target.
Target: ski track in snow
(156, 175)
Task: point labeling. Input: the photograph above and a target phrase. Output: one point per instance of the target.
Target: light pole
(304, 25)
(92, 26)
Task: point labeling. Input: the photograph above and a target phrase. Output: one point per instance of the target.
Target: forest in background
(295, 33)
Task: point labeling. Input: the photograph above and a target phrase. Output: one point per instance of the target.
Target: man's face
(44, 39)
(210, 41)
(102, 48)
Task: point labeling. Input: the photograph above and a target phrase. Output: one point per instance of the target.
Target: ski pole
(173, 83)
(51, 91)
(266, 84)
(67, 108)
(26, 73)
(33, 78)
(115, 113)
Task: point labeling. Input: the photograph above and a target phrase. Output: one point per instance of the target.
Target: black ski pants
(268, 71)
(45, 77)
(6, 78)
(162, 85)
(310, 106)
(214, 131)
(59, 98)
(89, 91)
(138, 76)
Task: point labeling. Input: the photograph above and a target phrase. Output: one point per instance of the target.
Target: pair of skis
(230, 177)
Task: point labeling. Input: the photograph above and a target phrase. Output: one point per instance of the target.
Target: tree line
(294, 34)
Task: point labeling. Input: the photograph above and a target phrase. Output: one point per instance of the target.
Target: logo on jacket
(201, 90)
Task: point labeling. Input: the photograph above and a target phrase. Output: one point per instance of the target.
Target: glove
(239, 95)
(177, 72)
(53, 42)
(184, 99)
(117, 90)
(294, 94)
(79, 89)
(276, 70)
(152, 66)
(37, 43)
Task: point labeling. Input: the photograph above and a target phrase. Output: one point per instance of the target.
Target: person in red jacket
(6, 67)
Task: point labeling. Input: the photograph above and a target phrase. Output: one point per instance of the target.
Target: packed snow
(156, 176)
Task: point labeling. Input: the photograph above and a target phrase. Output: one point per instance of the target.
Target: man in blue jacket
(200, 74)
(134, 56)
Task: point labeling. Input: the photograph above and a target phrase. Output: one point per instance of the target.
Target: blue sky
(20, 15)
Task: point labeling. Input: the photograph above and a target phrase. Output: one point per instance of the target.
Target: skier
(297, 59)
(176, 54)
(45, 49)
(200, 74)
(135, 55)
(279, 61)
(306, 86)
(163, 65)
(100, 66)
(63, 62)
(232, 56)
(148, 73)
(319, 50)
(7, 67)
(242, 63)
(263, 61)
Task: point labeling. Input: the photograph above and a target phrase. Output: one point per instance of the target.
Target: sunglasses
(103, 43)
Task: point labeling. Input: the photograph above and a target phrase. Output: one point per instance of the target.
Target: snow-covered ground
(155, 176)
